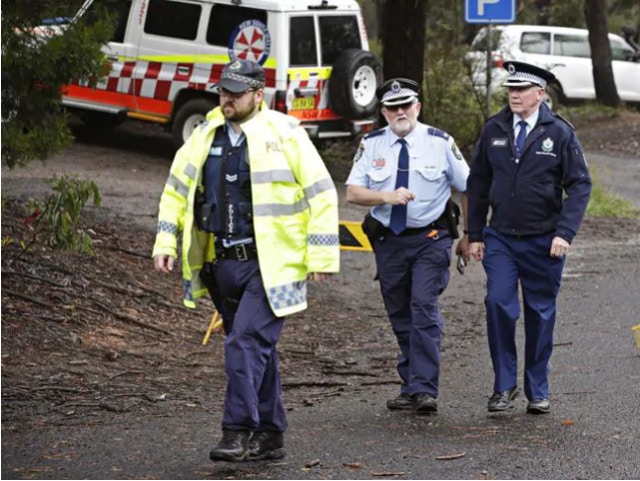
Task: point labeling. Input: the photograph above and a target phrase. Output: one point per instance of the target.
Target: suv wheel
(551, 97)
(191, 114)
(352, 89)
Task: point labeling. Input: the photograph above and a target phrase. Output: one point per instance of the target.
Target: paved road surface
(592, 432)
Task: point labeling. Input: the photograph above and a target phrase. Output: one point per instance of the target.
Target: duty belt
(437, 225)
(239, 252)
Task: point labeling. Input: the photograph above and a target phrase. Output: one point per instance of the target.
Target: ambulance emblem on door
(250, 41)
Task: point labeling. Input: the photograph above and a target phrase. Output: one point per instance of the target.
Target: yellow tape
(636, 334)
(214, 326)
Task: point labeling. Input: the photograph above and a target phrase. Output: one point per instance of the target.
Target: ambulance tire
(100, 121)
(191, 114)
(355, 77)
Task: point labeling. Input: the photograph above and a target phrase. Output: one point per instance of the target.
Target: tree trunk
(595, 12)
(403, 39)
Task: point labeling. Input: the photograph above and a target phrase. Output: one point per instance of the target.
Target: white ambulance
(167, 54)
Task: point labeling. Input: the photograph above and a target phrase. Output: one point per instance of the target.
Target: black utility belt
(239, 252)
(417, 230)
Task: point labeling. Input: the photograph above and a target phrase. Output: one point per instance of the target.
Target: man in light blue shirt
(405, 172)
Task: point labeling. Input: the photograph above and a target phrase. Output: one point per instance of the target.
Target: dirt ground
(87, 338)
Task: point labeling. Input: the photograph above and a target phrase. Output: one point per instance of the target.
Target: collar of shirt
(236, 139)
(410, 137)
(531, 120)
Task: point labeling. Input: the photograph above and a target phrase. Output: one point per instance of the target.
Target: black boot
(232, 447)
(266, 445)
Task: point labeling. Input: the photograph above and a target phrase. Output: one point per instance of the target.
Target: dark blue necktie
(522, 137)
(398, 220)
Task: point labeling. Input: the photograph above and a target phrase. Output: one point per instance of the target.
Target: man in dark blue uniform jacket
(529, 168)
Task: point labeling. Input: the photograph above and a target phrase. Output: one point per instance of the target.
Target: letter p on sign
(482, 3)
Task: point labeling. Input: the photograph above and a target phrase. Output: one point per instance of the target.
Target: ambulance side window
(302, 42)
(119, 11)
(225, 19)
(337, 34)
(173, 19)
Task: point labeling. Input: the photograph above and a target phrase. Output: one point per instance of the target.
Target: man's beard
(240, 115)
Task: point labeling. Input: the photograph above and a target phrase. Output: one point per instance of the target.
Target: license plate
(303, 103)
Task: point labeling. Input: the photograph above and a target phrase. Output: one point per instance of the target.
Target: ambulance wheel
(191, 114)
(354, 79)
(100, 120)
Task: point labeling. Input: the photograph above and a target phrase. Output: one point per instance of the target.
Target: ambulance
(166, 55)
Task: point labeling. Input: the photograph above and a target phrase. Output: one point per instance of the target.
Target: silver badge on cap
(511, 68)
(395, 87)
(235, 66)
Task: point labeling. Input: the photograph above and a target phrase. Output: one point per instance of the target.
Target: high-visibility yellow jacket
(295, 209)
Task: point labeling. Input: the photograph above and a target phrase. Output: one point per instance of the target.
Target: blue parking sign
(490, 11)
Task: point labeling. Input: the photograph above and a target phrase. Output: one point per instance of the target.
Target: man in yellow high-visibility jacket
(258, 213)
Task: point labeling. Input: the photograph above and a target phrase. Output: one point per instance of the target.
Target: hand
(163, 263)
(400, 196)
(559, 247)
(477, 250)
(464, 248)
(318, 276)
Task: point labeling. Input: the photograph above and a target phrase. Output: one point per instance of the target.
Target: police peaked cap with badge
(240, 76)
(398, 91)
(526, 75)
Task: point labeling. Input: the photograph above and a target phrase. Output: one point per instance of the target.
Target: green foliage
(604, 203)
(449, 101)
(36, 63)
(59, 217)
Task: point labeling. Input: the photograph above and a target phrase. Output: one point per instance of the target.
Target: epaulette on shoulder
(564, 120)
(438, 133)
(374, 133)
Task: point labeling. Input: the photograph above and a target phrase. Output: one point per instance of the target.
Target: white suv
(562, 50)
(166, 55)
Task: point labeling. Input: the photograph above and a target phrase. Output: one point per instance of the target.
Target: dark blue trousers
(413, 271)
(254, 397)
(507, 260)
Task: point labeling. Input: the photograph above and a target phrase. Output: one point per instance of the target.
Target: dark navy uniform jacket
(545, 191)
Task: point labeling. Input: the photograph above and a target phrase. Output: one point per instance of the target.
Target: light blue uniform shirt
(435, 164)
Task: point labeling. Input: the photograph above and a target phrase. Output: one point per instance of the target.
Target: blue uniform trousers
(253, 398)
(508, 259)
(413, 271)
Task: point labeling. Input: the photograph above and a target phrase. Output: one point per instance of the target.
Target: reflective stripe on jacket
(295, 209)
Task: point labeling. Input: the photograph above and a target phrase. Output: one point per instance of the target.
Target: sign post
(489, 12)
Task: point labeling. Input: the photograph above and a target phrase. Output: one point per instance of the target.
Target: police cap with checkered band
(240, 76)
(526, 75)
(398, 91)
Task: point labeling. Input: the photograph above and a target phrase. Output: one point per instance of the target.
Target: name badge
(499, 142)
(215, 151)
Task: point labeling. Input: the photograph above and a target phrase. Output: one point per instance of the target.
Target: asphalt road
(593, 431)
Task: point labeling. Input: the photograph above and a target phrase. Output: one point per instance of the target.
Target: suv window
(302, 42)
(620, 50)
(226, 18)
(536, 42)
(338, 33)
(571, 46)
(173, 19)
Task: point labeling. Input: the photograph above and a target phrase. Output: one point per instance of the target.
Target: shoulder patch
(359, 153)
(438, 133)
(555, 114)
(375, 133)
